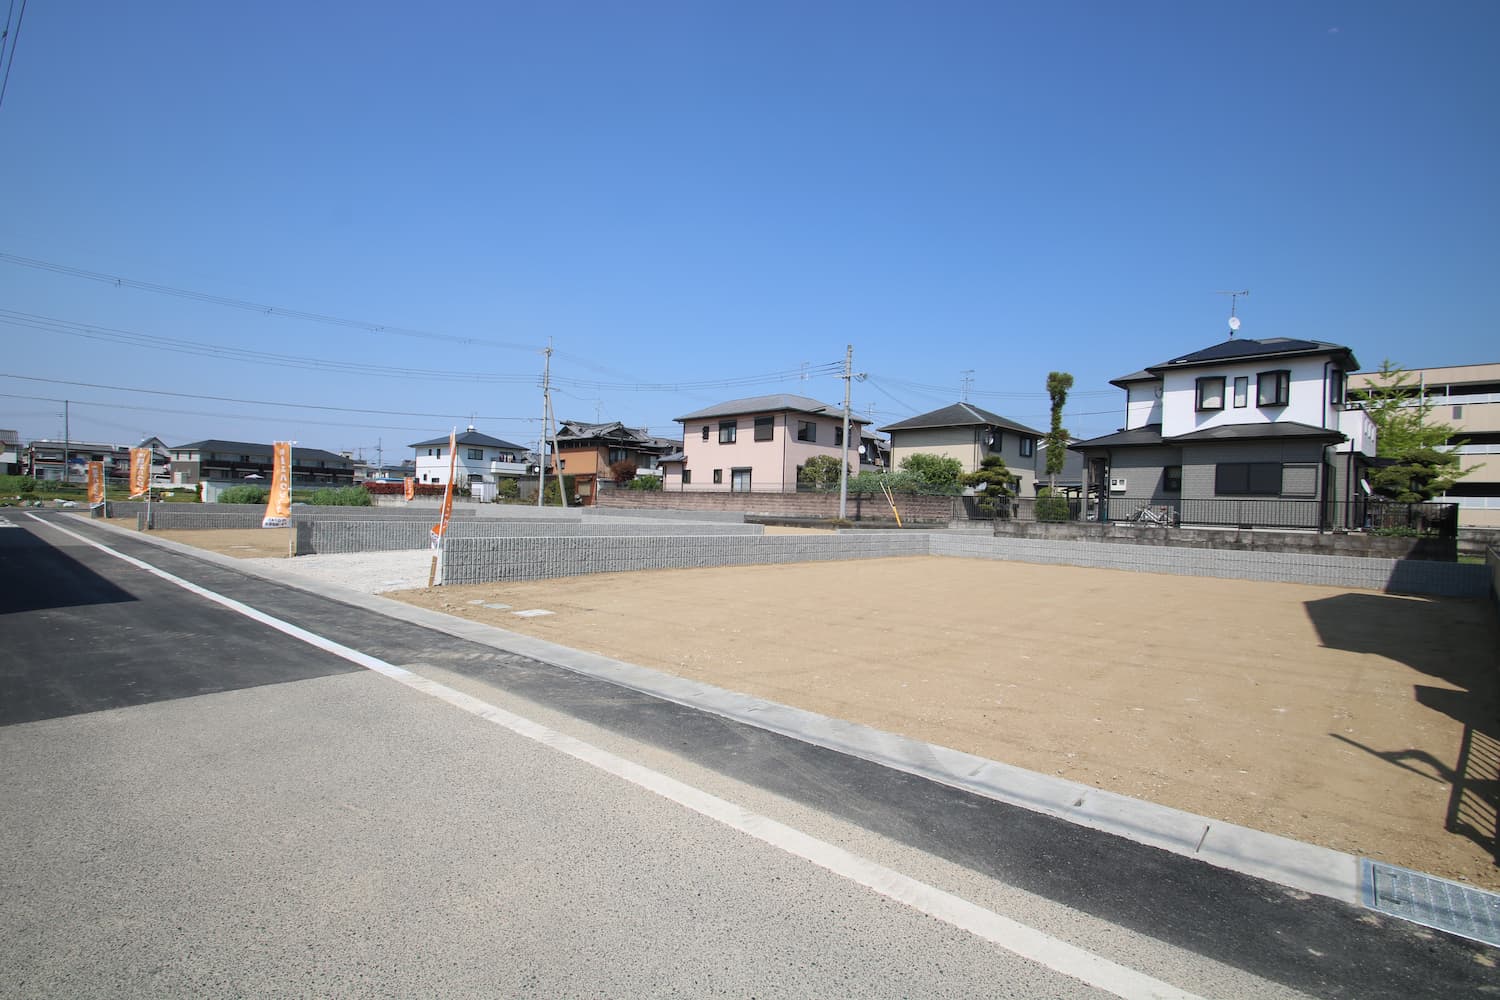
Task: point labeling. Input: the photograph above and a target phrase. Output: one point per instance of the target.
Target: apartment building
(1467, 398)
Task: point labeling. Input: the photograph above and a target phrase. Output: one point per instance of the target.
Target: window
(1171, 479)
(739, 480)
(705, 432)
(474, 455)
(718, 475)
(1273, 388)
(807, 430)
(1241, 390)
(1247, 479)
(838, 436)
(687, 477)
(1335, 387)
(617, 455)
(1028, 447)
(1458, 412)
(1211, 392)
(765, 428)
(727, 429)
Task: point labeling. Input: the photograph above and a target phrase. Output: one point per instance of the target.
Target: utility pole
(844, 463)
(66, 435)
(547, 425)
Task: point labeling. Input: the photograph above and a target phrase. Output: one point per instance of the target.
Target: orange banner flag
(96, 483)
(279, 504)
(140, 471)
(442, 526)
(410, 487)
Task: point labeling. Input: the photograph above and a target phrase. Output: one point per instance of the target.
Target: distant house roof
(769, 404)
(613, 432)
(1140, 376)
(960, 415)
(472, 437)
(299, 454)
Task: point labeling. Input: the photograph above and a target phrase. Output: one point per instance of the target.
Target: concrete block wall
(489, 560)
(328, 537)
(1402, 576)
(820, 505)
(651, 514)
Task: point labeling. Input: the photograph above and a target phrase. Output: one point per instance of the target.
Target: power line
(253, 402)
(259, 307)
(14, 39)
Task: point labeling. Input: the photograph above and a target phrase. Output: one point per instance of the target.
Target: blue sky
(695, 194)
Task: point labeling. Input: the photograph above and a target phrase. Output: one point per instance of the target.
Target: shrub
(1049, 507)
(344, 496)
(244, 494)
(623, 471)
(937, 471)
(820, 473)
(646, 484)
(507, 489)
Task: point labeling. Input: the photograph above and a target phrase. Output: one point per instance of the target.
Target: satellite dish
(1234, 323)
(861, 449)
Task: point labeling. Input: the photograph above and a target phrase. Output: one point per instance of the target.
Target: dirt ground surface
(1362, 721)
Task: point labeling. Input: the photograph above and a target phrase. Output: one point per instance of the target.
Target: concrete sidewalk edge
(1291, 863)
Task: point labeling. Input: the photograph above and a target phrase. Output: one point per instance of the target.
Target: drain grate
(1432, 902)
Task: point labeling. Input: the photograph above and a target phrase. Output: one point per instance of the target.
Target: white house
(1244, 420)
(482, 461)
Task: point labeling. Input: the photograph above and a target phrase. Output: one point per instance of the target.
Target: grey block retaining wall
(1403, 576)
(646, 513)
(489, 560)
(326, 537)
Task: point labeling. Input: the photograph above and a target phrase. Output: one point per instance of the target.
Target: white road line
(1018, 938)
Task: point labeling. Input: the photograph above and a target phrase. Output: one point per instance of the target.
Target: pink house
(757, 444)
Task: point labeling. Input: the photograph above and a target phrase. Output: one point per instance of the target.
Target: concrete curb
(1297, 865)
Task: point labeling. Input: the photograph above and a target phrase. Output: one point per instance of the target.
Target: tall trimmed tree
(1058, 384)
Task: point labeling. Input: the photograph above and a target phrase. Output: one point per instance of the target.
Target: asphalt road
(196, 802)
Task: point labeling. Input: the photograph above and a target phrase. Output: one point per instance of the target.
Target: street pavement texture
(204, 800)
(1330, 716)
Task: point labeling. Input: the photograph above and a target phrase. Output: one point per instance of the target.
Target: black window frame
(807, 431)
(718, 477)
(705, 432)
(1247, 479)
(1241, 391)
(1171, 479)
(1028, 446)
(474, 455)
(838, 435)
(687, 477)
(765, 428)
(728, 431)
(1204, 380)
(1338, 387)
(1281, 387)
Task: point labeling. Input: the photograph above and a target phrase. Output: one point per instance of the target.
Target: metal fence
(1433, 519)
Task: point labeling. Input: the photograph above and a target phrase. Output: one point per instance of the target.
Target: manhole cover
(1432, 902)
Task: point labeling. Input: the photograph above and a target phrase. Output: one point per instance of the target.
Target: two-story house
(757, 444)
(1244, 420)
(586, 451)
(234, 462)
(482, 462)
(969, 434)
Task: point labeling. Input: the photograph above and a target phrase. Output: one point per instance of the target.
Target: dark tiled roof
(472, 437)
(1235, 349)
(959, 415)
(1135, 437)
(1140, 376)
(299, 455)
(769, 404)
(1258, 432)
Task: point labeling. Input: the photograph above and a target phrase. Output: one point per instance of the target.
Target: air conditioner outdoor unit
(1116, 485)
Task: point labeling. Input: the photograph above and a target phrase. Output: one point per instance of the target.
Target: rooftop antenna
(1234, 321)
(965, 381)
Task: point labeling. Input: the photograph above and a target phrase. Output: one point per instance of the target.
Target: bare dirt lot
(1362, 721)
